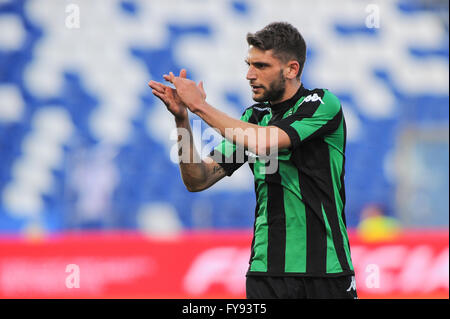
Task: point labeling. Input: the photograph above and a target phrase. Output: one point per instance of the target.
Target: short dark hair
(284, 39)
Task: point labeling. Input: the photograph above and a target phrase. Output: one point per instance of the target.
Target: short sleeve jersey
(299, 227)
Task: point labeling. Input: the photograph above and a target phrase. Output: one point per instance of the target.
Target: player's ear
(292, 69)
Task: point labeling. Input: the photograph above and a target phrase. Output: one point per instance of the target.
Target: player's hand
(190, 93)
(170, 97)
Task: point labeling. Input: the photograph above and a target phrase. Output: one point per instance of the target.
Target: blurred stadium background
(91, 205)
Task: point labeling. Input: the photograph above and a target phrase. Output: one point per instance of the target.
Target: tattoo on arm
(218, 169)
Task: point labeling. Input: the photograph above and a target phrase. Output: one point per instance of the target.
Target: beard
(275, 91)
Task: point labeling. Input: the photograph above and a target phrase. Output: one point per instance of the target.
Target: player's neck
(291, 89)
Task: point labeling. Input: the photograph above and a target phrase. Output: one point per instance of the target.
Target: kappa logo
(312, 98)
(352, 284)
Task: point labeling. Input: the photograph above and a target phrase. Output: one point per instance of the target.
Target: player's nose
(251, 74)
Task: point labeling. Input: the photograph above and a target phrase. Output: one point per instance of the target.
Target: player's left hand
(191, 94)
(170, 97)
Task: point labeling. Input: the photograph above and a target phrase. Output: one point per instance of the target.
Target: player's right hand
(170, 97)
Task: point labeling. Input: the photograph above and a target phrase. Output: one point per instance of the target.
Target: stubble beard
(275, 91)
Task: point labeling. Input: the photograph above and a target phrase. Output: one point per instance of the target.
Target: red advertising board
(201, 265)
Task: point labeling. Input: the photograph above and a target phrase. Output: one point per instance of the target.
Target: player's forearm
(257, 139)
(192, 168)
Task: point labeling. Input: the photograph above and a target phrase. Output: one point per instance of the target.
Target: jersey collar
(282, 107)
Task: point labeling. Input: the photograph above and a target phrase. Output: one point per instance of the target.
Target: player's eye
(260, 65)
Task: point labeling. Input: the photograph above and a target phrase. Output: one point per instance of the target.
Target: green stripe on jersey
(295, 214)
(259, 260)
(333, 264)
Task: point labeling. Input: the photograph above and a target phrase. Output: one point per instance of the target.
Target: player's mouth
(255, 88)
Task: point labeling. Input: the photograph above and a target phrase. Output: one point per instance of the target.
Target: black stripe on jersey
(252, 253)
(276, 220)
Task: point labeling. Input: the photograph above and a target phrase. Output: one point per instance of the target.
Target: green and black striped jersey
(300, 227)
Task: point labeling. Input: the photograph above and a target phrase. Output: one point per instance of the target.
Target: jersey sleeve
(227, 154)
(318, 114)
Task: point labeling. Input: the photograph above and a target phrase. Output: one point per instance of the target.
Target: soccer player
(294, 141)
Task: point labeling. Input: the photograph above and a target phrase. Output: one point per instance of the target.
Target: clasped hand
(187, 94)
